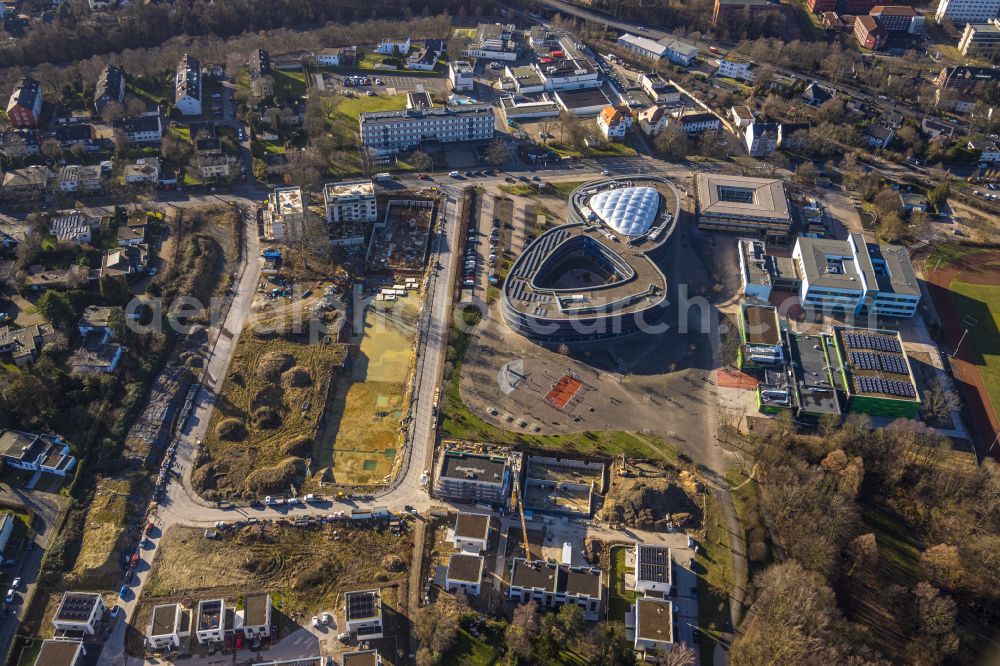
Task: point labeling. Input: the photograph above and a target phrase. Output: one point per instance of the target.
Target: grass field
(715, 579)
(277, 414)
(620, 598)
(289, 85)
(367, 409)
(343, 113)
(470, 650)
(97, 565)
(982, 301)
(310, 568)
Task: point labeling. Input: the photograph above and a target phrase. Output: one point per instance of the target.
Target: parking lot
(390, 83)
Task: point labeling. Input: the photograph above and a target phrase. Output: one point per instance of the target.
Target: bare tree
(939, 402)
(498, 152)
(51, 149)
(421, 161)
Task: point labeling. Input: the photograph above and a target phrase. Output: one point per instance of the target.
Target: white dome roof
(630, 211)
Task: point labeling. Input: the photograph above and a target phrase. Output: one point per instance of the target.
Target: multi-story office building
(856, 276)
(960, 12)
(388, 132)
(754, 206)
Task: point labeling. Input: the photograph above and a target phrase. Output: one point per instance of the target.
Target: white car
(605, 173)
(326, 618)
(315, 621)
(16, 583)
(268, 501)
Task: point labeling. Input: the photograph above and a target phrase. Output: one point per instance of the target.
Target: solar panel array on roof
(884, 386)
(360, 605)
(883, 343)
(538, 253)
(654, 563)
(76, 606)
(881, 362)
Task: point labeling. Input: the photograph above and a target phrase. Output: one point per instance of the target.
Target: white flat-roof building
(654, 627)
(554, 585)
(79, 612)
(61, 652)
(256, 615)
(471, 532)
(388, 132)
(672, 49)
(465, 572)
(167, 626)
(653, 569)
(460, 74)
(363, 614)
(210, 626)
(856, 276)
(350, 201)
(285, 208)
(960, 12)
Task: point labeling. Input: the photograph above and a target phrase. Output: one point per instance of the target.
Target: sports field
(965, 284)
(366, 410)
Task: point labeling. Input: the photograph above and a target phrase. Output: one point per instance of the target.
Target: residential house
(25, 104)
(261, 78)
(73, 134)
(125, 261)
(41, 278)
(168, 624)
(95, 355)
(146, 170)
(696, 122)
(211, 625)
(79, 611)
(793, 136)
(913, 201)
(425, 58)
(336, 57)
(257, 615)
(933, 129)
(653, 120)
(25, 184)
(359, 658)
(832, 22)
(363, 614)
(59, 651)
(821, 6)
(187, 86)
(213, 166)
(19, 143)
(471, 532)
(78, 178)
(96, 320)
(659, 90)
(144, 129)
(460, 75)
(761, 139)
(879, 136)
(614, 122)
(734, 10)
(41, 453)
(654, 627)
(869, 33)
(653, 569)
(131, 234)
(735, 66)
(110, 88)
(465, 572)
(74, 228)
(986, 150)
(284, 209)
(393, 47)
(22, 345)
(815, 94)
(742, 116)
(898, 18)
(553, 585)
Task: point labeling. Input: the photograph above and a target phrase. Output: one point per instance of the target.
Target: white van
(453, 174)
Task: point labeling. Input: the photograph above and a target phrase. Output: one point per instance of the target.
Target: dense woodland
(871, 547)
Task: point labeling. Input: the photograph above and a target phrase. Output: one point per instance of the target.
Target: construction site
(401, 241)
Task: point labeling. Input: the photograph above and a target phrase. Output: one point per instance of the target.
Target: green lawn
(982, 301)
(621, 598)
(715, 579)
(289, 85)
(747, 501)
(351, 108)
(471, 651)
(898, 549)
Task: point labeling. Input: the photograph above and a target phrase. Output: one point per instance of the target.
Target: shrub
(273, 364)
(231, 430)
(296, 377)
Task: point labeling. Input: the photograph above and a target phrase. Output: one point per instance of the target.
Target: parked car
(16, 583)
(315, 621)
(326, 618)
(10, 595)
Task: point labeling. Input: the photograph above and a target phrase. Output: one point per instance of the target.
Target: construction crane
(524, 525)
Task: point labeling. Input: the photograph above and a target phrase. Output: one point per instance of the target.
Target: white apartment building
(761, 139)
(653, 569)
(961, 12)
(187, 84)
(461, 76)
(654, 627)
(78, 178)
(284, 208)
(856, 276)
(388, 132)
(659, 90)
(735, 66)
(554, 585)
(471, 532)
(981, 39)
(350, 201)
(256, 615)
(465, 572)
(391, 47)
